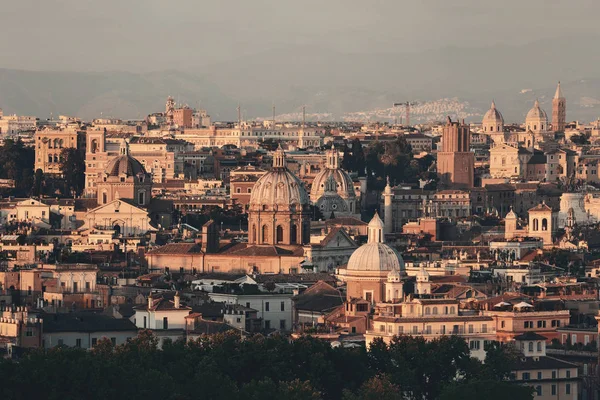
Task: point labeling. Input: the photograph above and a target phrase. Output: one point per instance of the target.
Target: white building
(275, 309)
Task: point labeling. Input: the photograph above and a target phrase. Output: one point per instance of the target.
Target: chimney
(150, 300)
(177, 300)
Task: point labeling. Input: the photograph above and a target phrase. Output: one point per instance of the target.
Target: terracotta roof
(243, 249)
(345, 221)
(541, 207)
(177, 248)
(434, 319)
(85, 322)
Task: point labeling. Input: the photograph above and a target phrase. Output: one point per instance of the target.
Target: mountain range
(327, 82)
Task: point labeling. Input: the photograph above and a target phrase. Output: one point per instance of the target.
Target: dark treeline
(393, 159)
(261, 368)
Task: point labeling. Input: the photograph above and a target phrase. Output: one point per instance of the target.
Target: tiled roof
(177, 248)
(85, 322)
(544, 362)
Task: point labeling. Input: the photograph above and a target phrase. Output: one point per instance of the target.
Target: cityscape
(409, 248)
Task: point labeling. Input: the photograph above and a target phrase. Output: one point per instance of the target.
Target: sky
(153, 35)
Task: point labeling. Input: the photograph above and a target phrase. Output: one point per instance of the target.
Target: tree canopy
(16, 162)
(72, 166)
(225, 366)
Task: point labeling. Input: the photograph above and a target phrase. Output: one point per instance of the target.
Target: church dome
(511, 214)
(345, 186)
(493, 116)
(331, 201)
(376, 255)
(278, 189)
(124, 164)
(536, 113)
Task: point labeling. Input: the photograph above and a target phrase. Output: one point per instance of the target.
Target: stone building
(536, 120)
(49, 144)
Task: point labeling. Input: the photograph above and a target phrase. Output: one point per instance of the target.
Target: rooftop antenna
(239, 111)
(273, 114)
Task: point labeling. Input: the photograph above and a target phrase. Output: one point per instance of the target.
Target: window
(539, 375)
(144, 322)
(539, 346)
(282, 324)
(382, 328)
(165, 323)
(483, 328)
(94, 341)
(526, 376)
(554, 390)
(282, 306)
(78, 343)
(415, 329)
(113, 340)
(530, 346)
(528, 324)
(29, 290)
(267, 324)
(471, 330)
(553, 374)
(568, 388)
(538, 390)
(247, 304)
(568, 373)
(474, 345)
(400, 330)
(29, 332)
(266, 306)
(502, 324)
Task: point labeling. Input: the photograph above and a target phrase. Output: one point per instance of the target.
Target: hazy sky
(158, 34)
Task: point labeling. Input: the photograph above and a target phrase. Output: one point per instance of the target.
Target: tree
(72, 167)
(376, 388)
(38, 182)
(489, 390)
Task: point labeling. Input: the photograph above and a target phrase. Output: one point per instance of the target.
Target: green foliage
(489, 390)
(354, 158)
(72, 166)
(16, 162)
(227, 367)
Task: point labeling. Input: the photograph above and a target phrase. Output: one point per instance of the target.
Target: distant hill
(328, 82)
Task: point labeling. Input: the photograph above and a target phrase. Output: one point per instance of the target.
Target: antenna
(239, 112)
(273, 114)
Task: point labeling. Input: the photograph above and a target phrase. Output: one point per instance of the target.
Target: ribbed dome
(345, 187)
(124, 164)
(536, 113)
(493, 116)
(278, 188)
(375, 255)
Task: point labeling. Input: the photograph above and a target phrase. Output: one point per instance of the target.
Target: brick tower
(559, 111)
(455, 161)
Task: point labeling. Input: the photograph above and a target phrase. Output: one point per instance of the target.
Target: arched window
(279, 234)
(435, 310)
(535, 224)
(446, 310)
(544, 224)
(530, 346)
(534, 127)
(238, 190)
(451, 310)
(492, 128)
(249, 190)
(265, 233)
(503, 160)
(427, 311)
(104, 198)
(294, 234)
(539, 346)
(94, 146)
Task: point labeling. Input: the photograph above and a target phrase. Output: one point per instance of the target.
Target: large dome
(536, 112)
(493, 116)
(278, 188)
(124, 164)
(345, 186)
(376, 255)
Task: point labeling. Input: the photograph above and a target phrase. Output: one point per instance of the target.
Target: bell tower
(559, 111)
